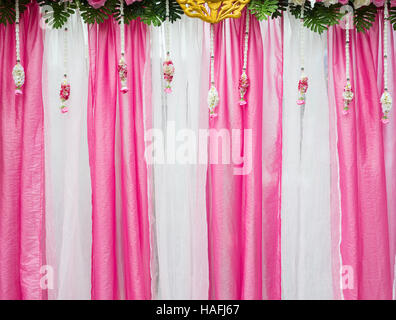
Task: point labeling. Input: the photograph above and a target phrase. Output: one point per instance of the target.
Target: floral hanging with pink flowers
(169, 71)
(64, 95)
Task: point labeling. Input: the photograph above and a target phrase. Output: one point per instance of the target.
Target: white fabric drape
(68, 184)
(180, 228)
(306, 230)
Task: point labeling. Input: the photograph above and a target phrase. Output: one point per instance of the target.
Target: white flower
(360, 3)
(298, 2)
(328, 3)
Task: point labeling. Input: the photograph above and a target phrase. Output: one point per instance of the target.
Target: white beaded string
(18, 73)
(245, 49)
(386, 98)
(122, 28)
(167, 28)
(18, 54)
(213, 95)
(347, 57)
(302, 40)
(386, 30)
(65, 48)
(212, 54)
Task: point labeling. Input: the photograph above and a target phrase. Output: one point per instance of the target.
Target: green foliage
(364, 17)
(319, 18)
(263, 9)
(152, 12)
(7, 10)
(392, 16)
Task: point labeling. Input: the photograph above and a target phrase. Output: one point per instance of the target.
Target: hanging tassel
(244, 80)
(303, 82)
(65, 86)
(122, 66)
(386, 98)
(348, 93)
(18, 73)
(167, 66)
(213, 95)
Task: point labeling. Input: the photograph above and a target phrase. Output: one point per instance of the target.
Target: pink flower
(343, 1)
(97, 3)
(393, 3)
(379, 3)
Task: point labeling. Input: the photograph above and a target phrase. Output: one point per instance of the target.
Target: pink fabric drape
(21, 163)
(244, 210)
(359, 202)
(120, 248)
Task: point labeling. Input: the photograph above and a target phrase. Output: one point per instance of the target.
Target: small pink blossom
(379, 3)
(97, 3)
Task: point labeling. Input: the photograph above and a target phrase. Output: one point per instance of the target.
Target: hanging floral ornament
(348, 93)
(386, 98)
(65, 86)
(18, 73)
(303, 82)
(122, 66)
(167, 66)
(244, 80)
(213, 95)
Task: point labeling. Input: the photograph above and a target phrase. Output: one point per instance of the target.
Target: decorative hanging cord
(348, 93)
(65, 86)
(386, 98)
(213, 96)
(122, 66)
(167, 66)
(303, 82)
(18, 73)
(244, 80)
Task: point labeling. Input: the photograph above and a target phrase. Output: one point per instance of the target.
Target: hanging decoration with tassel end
(65, 85)
(213, 95)
(303, 82)
(18, 73)
(386, 98)
(122, 66)
(244, 80)
(348, 93)
(168, 67)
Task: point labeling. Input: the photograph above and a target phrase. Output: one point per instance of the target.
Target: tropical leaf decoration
(152, 12)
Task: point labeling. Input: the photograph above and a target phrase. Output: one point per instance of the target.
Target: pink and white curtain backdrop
(85, 214)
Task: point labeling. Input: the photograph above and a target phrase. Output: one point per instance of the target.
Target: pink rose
(379, 3)
(343, 1)
(97, 3)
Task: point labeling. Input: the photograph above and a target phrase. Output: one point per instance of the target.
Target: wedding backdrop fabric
(22, 206)
(244, 210)
(306, 231)
(84, 214)
(68, 182)
(120, 221)
(359, 199)
(180, 227)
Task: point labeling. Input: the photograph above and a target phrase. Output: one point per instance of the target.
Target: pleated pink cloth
(359, 199)
(244, 210)
(21, 163)
(120, 235)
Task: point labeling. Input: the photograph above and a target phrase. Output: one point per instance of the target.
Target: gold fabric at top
(213, 11)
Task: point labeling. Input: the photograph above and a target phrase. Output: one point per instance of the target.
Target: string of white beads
(167, 28)
(167, 65)
(18, 73)
(348, 93)
(386, 98)
(244, 80)
(303, 82)
(122, 66)
(213, 95)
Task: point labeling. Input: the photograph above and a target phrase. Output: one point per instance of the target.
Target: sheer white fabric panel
(306, 230)
(68, 184)
(180, 189)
